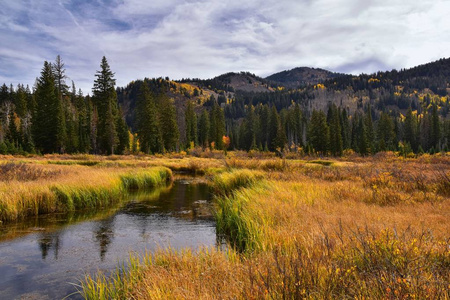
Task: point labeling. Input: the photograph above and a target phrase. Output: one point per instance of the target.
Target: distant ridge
(302, 76)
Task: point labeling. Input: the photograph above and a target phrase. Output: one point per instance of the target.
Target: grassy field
(375, 228)
(32, 187)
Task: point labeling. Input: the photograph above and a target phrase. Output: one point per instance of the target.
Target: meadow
(299, 228)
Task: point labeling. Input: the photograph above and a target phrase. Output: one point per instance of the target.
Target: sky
(206, 38)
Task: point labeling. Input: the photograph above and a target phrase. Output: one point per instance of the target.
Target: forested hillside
(303, 76)
(303, 110)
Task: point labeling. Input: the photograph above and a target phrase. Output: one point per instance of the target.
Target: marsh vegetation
(373, 227)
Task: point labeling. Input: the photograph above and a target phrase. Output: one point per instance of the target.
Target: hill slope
(302, 76)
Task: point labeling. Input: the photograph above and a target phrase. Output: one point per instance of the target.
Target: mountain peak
(302, 76)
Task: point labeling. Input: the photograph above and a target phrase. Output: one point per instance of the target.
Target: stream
(45, 257)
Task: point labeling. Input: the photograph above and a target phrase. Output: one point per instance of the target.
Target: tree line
(56, 118)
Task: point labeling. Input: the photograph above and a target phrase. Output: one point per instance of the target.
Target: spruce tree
(203, 129)
(250, 130)
(345, 129)
(410, 130)
(363, 143)
(105, 99)
(46, 117)
(123, 134)
(168, 122)
(147, 121)
(217, 126)
(298, 128)
(319, 132)
(435, 128)
(191, 125)
(369, 130)
(385, 133)
(264, 124)
(63, 111)
(274, 122)
(334, 122)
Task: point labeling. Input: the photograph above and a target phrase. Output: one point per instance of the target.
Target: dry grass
(348, 228)
(37, 189)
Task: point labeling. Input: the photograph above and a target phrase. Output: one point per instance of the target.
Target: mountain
(233, 82)
(393, 92)
(302, 76)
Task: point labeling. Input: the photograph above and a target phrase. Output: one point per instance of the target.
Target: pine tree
(250, 129)
(46, 118)
(168, 122)
(217, 126)
(191, 125)
(280, 138)
(147, 121)
(385, 133)
(345, 129)
(435, 128)
(334, 122)
(264, 121)
(21, 101)
(123, 134)
(62, 112)
(105, 100)
(369, 130)
(319, 132)
(274, 121)
(4, 94)
(13, 134)
(203, 129)
(410, 130)
(298, 128)
(84, 114)
(362, 140)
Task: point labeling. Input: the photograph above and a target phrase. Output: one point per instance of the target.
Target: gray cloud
(199, 38)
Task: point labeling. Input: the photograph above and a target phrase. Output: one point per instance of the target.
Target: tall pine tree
(105, 99)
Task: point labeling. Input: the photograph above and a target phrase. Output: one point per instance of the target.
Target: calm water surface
(41, 258)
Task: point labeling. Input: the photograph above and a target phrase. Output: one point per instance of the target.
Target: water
(41, 258)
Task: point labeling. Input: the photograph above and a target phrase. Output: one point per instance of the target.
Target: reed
(78, 188)
(226, 182)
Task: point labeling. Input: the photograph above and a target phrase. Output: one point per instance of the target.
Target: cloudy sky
(205, 38)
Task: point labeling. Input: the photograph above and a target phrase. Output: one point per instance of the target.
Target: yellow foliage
(319, 86)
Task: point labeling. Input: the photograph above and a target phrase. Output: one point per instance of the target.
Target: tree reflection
(48, 241)
(104, 234)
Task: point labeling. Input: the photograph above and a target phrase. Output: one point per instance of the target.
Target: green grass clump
(70, 198)
(326, 163)
(146, 179)
(236, 222)
(225, 183)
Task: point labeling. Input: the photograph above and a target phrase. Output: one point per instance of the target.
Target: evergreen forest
(333, 114)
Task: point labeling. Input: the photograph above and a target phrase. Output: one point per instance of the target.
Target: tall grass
(226, 182)
(364, 228)
(79, 187)
(170, 274)
(144, 179)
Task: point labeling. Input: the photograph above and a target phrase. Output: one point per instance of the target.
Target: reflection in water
(48, 241)
(40, 257)
(104, 234)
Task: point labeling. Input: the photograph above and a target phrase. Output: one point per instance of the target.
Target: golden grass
(344, 228)
(75, 187)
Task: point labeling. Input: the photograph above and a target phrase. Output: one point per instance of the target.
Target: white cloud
(194, 38)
